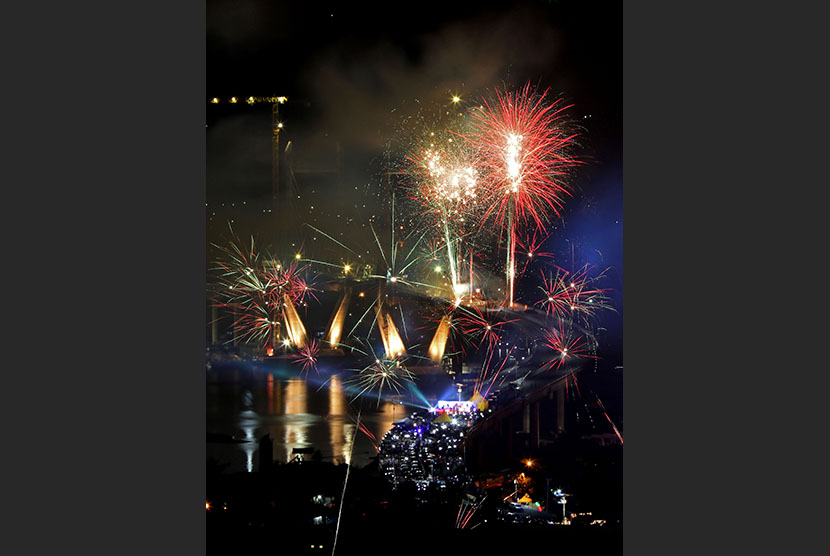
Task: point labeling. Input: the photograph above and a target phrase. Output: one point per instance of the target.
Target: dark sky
(350, 70)
(358, 61)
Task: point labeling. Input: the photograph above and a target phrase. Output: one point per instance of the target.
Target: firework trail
(523, 156)
(396, 268)
(584, 403)
(345, 483)
(466, 511)
(613, 426)
(483, 379)
(372, 438)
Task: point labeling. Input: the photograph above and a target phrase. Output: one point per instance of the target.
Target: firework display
(567, 344)
(567, 294)
(412, 330)
(307, 356)
(260, 293)
(524, 155)
(464, 186)
(443, 177)
(382, 376)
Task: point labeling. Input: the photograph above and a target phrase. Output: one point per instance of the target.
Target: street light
(562, 500)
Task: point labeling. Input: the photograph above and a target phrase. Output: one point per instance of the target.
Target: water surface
(296, 412)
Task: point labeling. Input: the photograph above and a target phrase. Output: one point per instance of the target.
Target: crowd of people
(427, 449)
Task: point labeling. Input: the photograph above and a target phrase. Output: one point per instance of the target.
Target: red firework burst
(307, 356)
(568, 294)
(531, 247)
(567, 345)
(480, 326)
(523, 155)
(252, 289)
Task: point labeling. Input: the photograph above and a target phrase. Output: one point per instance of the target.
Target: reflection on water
(296, 419)
(296, 414)
(336, 418)
(389, 413)
(248, 422)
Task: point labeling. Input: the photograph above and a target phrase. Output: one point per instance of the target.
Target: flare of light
(439, 340)
(293, 325)
(395, 342)
(336, 328)
(392, 343)
(336, 420)
(461, 288)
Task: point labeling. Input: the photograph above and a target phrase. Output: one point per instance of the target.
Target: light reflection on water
(296, 414)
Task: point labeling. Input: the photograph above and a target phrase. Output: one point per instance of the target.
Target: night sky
(351, 71)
